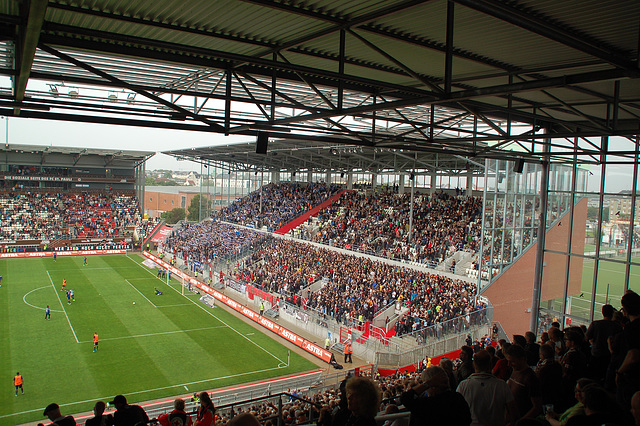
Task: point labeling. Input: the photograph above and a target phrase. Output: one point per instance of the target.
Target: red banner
(303, 218)
(299, 341)
(162, 233)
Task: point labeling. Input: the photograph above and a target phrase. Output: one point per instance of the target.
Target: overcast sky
(86, 135)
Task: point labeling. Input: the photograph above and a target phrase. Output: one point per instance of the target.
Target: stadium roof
(301, 155)
(476, 78)
(56, 156)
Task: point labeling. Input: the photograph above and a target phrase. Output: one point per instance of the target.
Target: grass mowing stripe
(41, 352)
(173, 306)
(155, 334)
(213, 379)
(210, 313)
(152, 304)
(63, 309)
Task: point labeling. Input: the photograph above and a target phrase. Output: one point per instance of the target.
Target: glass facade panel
(552, 293)
(619, 179)
(603, 230)
(634, 277)
(610, 283)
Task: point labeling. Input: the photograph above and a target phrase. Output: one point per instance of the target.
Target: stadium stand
(209, 240)
(563, 388)
(275, 204)
(379, 221)
(47, 216)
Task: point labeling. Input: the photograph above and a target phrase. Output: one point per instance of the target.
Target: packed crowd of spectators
(276, 204)
(208, 240)
(379, 222)
(38, 216)
(357, 287)
(574, 377)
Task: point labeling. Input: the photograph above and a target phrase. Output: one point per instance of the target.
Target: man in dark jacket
(127, 415)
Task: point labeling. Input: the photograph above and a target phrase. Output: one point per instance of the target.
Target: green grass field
(158, 347)
(611, 273)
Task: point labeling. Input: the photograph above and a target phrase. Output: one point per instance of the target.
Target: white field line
(134, 287)
(210, 313)
(63, 309)
(161, 333)
(180, 385)
(24, 299)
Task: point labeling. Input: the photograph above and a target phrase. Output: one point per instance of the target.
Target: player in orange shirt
(17, 382)
(95, 342)
(64, 284)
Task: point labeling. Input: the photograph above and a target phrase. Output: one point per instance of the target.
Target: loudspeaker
(262, 142)
(518, 166)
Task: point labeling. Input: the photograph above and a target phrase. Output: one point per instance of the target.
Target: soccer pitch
(611, 273)
(161, 346)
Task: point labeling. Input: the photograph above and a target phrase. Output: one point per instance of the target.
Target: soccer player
(68, 297)
(95, 342)
(17, 382)
(85, 261)
(47, 313)
(55, 254)
(64, 284)
(73, 295)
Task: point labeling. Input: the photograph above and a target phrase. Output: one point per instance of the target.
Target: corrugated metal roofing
(511, 59)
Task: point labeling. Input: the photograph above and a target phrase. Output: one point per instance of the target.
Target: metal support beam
(28, 44)
(343, 35)
(227, 105)
(542, 229)
(503, 89)
(448, 61)
(128, 86)
(396, 62)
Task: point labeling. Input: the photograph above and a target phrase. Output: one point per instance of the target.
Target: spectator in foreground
(523, 383)
(244, 419)
(576, 410)
(176, 417)
(549, 373)
(635, 408)
(363, 401)
(442, 406)
(207, 412)
(599, 409)
(490, 400)
(53, 412)
(597, 334)
(99, 418)
(628, 375)
(127, 415)
(465, 369)
(447, 365)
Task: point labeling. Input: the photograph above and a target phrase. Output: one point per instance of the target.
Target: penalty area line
(134, 287)
(161, 333)
(214, 316)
